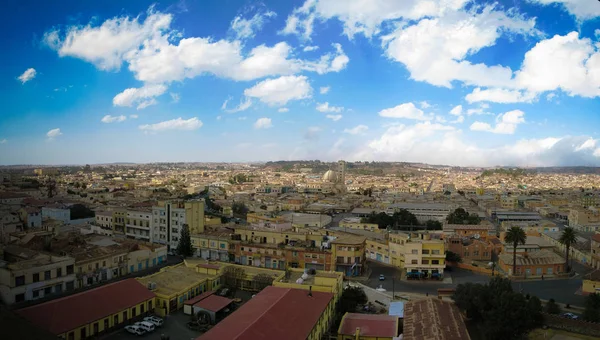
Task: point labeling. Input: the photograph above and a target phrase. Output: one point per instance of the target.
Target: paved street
(561, 290)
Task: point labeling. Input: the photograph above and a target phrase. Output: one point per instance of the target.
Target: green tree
(185, 248)
(568, 238)
(461, 216)
(239, 209)
(514, 236)
(233, 276)
(351, 298)
(592, 308)
(405, 217)
(453, 257)
(433, 225)
(552, 307)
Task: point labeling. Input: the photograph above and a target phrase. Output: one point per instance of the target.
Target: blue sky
(454, 82)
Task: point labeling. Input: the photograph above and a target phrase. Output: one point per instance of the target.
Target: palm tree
(515, 235)
(568, 238)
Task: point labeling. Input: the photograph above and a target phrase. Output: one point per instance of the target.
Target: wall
(575, 326)
(482, 270)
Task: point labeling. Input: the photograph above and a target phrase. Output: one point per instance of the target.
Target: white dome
(330, 176)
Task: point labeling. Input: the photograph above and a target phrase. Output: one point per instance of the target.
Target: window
(47, 275)
(340, 259)
(414, 251)
(124, 316)
(435, 261)
(20, 280)
(425, 261)
(70, 269)
(47, 291)
(58, 272)
(414, 262)
(70, 285)
(20, 297)
(58, 288)
(426, 251)
(116, 320)
(133, 310)
(36, 293)
(36, 277)
(104, 263)
(435, 252)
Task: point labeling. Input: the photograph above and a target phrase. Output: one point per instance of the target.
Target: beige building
(169, 217)
(29, 275)
(138, 225)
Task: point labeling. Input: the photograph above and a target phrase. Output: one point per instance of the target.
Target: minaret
(342, 172)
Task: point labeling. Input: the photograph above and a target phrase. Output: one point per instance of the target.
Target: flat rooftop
(172, 280)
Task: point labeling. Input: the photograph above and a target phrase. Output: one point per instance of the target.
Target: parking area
(175, 326)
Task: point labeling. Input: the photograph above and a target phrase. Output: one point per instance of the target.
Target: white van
(145, 325)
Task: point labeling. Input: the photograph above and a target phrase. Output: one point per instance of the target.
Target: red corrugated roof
(213, 303)
(273, 314)
(199, 298)
(371, 325)
(596, 237)
(65, 314)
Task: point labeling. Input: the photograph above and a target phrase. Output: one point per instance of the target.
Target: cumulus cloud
(324, 107)
(357, 130)
(310, 48)
(505, 123)
(26, 76)
(280, 91)
(335, 118)
(457, 110)
(133, 116)
(263, 123)
(244, 104)
(53, 133)
(175, 97)
(324, 89)
(173, 124)
(247, 28)
(406, 110)
(283, 109)
(582, 9)
(113, 119)
(497, 95)
(143, 96)
(424, 105)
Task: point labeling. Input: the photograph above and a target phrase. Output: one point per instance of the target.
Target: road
(561, 290)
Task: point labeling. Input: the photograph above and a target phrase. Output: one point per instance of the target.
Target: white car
(156, 321)
(133, 329)
(147, 326)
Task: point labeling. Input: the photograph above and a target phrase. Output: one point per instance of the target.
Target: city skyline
(454, 82)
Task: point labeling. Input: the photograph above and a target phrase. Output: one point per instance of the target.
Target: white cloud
(156, 53)
(263, 123)
(53, 133)
(133, 116)
(283, 109)
(324, 89)
(406, 110)
(280, 91)
(357, 130)
(590, 143)
(550, 96)
(457, 110)
(498, 95)
(243, 105)
(440, 119)
(582, 9)
(143, 96)
(247, 28)
(175, 97)
(562, 62)
(310, 48)
(324, 107)
(113, 119)
(174, 124)
(458, 120)
(335, 118)
(505, 123)
(435, 50)
(4, 141)
(424, 105)
(29, 74)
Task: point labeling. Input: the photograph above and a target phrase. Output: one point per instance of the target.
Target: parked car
(147, 326)
(158, 322)
(570, 316)
(224, 292)
(137, 330)
(381, 277)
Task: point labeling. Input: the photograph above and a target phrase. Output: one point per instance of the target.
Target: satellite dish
(476, 236)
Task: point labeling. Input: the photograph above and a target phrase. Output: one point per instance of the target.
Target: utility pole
(393, 288)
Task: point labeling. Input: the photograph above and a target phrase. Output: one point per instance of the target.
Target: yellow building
(354, 223)
(425, 256)
(396, 242)
(169, 217)
(378, 250)
(348, 252)
(175, 284)
(321, 281)
(212, 245)
(98, 311)
(509, 202)
(591, 282)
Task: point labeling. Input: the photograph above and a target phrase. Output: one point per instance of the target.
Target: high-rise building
(168, 219)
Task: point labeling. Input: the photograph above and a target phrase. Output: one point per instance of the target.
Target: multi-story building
(470, 249)
(319, 281)
(104, 219)
(348, 252)
(214, 246)
(424, 211)
(168, 219)
(354, 223)
(378, 250)
(57, 212)
(118, 221)
(533, 265)
(396, 242)
(31, 217)
(595, 250)
(425, 256)
(138, 225)
(29, 275)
